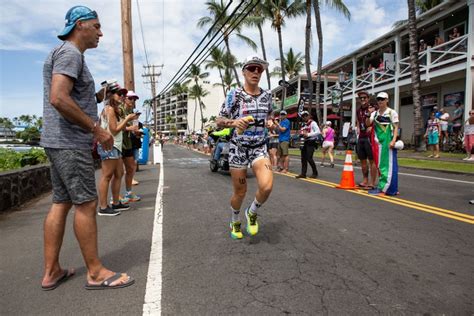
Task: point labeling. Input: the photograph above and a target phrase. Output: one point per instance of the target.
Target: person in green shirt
(224, 135)
(127, 149)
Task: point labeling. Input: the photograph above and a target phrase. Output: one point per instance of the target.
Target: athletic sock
(235, 215)
(128, 190)
(255, 205)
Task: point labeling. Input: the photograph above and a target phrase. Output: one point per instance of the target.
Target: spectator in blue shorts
(283, 128)
(70, 124)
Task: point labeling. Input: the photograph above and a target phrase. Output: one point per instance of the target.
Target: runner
(385, 121)
(328, 143)
(248, 110)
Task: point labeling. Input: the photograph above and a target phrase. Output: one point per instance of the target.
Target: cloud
(170, 36)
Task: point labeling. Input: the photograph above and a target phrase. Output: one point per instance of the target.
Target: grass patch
(427, 163)
(436, 165)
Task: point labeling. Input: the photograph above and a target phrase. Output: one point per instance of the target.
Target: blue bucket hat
(75, 14)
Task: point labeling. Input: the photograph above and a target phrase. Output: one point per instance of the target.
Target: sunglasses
(253, 68)
(131, 98)
(381, 99)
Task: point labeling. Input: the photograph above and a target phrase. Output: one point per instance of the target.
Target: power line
(235, 23)
(143, 36)
(200, 43)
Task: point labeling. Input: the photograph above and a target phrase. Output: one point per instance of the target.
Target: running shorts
(240, 157)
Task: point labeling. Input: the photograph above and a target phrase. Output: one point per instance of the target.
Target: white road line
(152, 304)
(415, 175)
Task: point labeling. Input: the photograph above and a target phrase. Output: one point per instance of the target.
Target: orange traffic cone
(347, 178)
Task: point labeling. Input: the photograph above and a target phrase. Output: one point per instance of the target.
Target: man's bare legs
(85, 228)
(366, 165)
(54, 226)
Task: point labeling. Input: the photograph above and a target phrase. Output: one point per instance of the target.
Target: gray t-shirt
(58, 132)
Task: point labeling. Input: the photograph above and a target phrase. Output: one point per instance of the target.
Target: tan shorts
(283, 148)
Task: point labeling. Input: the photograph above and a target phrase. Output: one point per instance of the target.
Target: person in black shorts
(364, 146)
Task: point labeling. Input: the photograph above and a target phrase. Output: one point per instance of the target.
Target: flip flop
(66, 276)
(105, 285)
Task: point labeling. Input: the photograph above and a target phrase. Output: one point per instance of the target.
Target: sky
(28, 30)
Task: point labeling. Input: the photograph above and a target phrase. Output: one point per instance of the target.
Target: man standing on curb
(283, 128)
(364, 147)
(70, 123)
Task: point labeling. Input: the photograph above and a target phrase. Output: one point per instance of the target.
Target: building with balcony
(175, 112)
(446, 68)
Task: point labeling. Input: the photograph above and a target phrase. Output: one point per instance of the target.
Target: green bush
(10, 159)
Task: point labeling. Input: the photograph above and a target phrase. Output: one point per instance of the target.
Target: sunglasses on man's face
(131, 98)
(381, 99)
(253, 68)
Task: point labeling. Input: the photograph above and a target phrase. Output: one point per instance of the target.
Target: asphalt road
(320, 250)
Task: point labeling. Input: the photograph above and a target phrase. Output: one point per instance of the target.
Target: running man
(247, 144)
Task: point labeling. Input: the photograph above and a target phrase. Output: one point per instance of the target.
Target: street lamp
(342, 78)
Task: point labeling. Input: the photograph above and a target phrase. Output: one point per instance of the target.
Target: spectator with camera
(309, 132)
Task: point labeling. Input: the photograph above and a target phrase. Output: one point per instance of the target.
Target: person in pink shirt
(328, 143)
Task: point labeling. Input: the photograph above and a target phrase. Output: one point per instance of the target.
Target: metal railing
(432, 59)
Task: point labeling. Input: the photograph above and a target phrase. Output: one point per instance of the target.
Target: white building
(446, 69)
(181, 114)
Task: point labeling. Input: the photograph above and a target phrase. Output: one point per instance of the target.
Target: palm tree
(339, 6)
(219, 15)
(278, 11)
(196, 92)
(217, 61)
(293, 64)
(227, 81)
(195, 74)
(415, 74)
(421, 6)
(307, 58)
(257, 19)
(178, 88)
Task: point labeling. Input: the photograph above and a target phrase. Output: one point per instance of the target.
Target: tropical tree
(307, 59)
(421, 6)
(219, 19)
(227, 82)
(195, 74)
(257, 19)
(179, 88)
(293, 64)
(339, 6)
(278, 11)
(7, 124)
(26, 119)
(196, 92)
(217, 61)
(415, 74)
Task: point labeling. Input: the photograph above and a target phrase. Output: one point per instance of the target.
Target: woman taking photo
(112, 164)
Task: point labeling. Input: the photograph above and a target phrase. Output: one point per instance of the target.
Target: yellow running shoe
(235, 232)
(252, 224)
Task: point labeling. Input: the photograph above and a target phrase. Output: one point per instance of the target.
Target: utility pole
(127, 46)
(151, 78)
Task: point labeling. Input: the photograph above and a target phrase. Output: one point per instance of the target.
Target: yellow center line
(410, 204)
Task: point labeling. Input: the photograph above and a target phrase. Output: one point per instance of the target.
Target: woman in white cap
(248, 111)
(328, 143)
(385, 122)
(309, 131)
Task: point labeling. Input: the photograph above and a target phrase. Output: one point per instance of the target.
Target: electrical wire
(200, 43)
(231, 28)
(143, 36)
